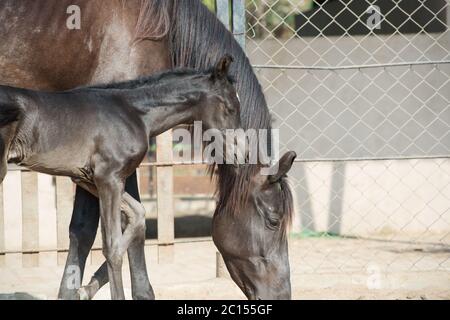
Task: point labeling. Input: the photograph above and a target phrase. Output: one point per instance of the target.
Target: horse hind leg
(140, 285)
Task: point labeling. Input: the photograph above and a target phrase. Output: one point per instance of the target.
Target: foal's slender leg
(133, 214)
(83, 228)
(133, 225)
(140, 284)
(110, 190)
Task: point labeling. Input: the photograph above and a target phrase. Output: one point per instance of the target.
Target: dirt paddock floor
(329, 268)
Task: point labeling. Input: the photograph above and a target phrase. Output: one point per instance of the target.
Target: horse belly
(66, 159)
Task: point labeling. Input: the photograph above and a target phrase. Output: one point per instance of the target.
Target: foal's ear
(223, 66)
(284, 165)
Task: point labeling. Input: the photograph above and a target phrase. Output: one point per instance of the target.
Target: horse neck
(163, 108)
(162, 118)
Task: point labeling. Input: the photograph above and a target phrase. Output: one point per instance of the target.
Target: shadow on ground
(185, 227)
(18, 296)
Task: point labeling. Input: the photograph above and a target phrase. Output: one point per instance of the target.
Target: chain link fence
(360, 90)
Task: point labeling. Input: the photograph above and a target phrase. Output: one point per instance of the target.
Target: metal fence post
(238, 14)
(239, 21)
(164, 182)
(223, 13)
(30, 219)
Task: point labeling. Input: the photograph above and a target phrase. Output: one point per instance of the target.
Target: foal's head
(216, 105)
(219, 106)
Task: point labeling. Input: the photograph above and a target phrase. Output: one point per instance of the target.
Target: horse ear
(283, 165)
(223, 66)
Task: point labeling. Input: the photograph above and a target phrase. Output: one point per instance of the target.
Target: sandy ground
(329, 268)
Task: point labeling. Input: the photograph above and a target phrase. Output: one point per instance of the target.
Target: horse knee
(135, 213)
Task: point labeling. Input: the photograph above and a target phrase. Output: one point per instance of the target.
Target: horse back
(39, 51)
(70, 129)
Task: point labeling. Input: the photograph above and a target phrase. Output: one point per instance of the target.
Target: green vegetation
(274, 17)
(211, 4)
(307, 234)
(270, 17)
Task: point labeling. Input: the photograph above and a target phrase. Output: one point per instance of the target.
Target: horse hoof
(144, 297)
(83, 294)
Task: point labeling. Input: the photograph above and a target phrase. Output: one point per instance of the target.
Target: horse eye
(273, 220)
(268, 213)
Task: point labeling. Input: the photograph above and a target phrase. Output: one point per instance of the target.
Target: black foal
(98, 136)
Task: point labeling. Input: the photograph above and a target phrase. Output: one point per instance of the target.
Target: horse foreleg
(83, 229)
(110, 190)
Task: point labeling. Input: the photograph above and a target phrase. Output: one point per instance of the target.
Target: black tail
(9, 113)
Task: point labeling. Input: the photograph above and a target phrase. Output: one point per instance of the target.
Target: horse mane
(198, 40)
(288, 206)
(150, 80)
(155, 79)
(157, 27)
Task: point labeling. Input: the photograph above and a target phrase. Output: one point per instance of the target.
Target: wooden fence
(27, 236)
(30, 237)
